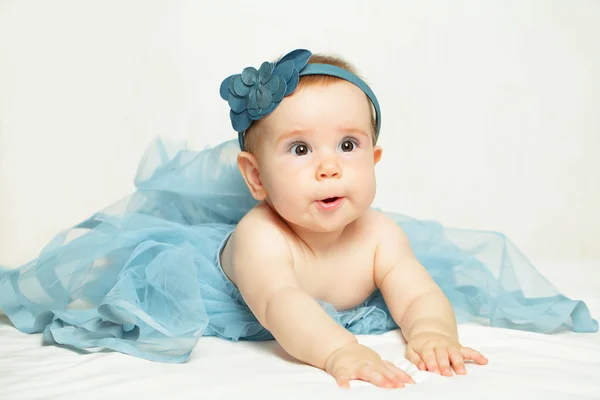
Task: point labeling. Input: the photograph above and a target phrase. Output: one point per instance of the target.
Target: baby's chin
(317, 220)
(318, 224)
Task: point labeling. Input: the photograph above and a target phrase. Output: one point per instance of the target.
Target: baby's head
(252, 137)
(312, 156)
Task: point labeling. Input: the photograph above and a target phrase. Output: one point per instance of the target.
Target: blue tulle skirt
(143, 276)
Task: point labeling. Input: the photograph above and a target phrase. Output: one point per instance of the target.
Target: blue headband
(254, 93)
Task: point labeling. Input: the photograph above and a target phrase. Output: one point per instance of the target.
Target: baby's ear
(377, 150)
(249, 168)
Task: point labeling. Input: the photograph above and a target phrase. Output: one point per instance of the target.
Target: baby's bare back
(340, 274)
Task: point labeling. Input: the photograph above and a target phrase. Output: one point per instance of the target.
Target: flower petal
(278, 95)
(263, 97)
(264, 73)
(240, 122)
(269, 109)
(249, 76)
(254, 112)
(224, 89)
(239, 87)
(237, 104)
(292, 83)
(251, 100)
(300, 58)
(284, 70)
(273, 84)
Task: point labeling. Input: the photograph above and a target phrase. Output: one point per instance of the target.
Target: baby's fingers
(414, 358)
(456, 358)
(342, 377)
(441, 355)
(398, 374)
(376, 374)
(473, 355)
(430, 360)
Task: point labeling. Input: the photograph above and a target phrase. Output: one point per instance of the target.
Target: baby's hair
(252, 135)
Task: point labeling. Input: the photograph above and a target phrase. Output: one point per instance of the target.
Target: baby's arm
(265, 277)
(415, 301)
(418, 305)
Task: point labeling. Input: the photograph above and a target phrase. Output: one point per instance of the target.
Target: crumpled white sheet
(564, 365)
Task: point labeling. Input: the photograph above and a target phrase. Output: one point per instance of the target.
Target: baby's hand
(355, 361)
(436, 352)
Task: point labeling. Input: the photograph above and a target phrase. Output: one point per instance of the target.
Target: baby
(289, 248)
(310, 164)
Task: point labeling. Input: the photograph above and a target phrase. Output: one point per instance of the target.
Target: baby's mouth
(330, 203)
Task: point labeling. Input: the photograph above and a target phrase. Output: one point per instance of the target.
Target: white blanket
(564, 365)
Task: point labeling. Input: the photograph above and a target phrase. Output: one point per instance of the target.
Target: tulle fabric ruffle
(143, 277)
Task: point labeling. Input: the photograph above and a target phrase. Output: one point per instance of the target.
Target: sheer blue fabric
(143, 276)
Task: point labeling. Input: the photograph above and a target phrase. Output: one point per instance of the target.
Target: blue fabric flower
(254, 93)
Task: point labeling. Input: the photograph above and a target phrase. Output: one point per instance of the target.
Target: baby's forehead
(340, 104)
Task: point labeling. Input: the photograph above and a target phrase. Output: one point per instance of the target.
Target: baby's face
(316, 156)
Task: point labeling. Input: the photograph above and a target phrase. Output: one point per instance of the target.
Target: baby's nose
(329, 169)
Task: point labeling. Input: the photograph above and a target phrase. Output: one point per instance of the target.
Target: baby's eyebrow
(299, 132)
(287, 135)
(354, 130)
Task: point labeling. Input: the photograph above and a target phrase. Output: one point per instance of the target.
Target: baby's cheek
(364, 187)
(290, 188)
(288, 192)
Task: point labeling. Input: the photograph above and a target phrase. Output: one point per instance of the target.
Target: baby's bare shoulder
(259, 234)
(390, 240)
(257, 257)
(381, 227)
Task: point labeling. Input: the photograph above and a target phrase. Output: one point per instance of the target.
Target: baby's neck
(318, 242)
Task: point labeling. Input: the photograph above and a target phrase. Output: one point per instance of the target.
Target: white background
(491, 109)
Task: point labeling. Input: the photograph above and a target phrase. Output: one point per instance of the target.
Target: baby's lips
(329, 197)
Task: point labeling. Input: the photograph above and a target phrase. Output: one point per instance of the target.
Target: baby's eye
(348, 145)
(299, 149)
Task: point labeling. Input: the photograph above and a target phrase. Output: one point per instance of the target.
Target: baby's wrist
(432, 326)
(330, 359)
